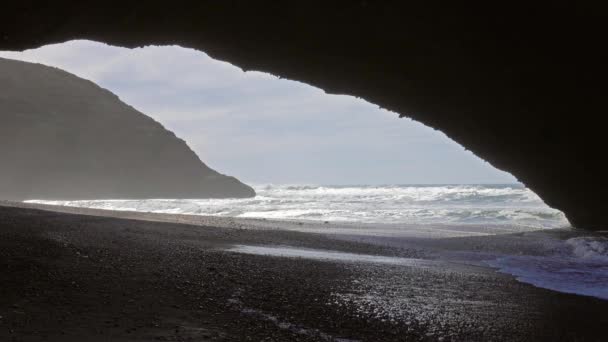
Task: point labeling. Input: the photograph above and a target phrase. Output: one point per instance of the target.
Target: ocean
(511, 204)
(578, 264)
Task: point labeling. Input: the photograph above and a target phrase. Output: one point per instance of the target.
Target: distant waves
(449, 204)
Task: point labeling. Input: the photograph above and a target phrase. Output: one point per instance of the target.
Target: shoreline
(342, 227)
(72, 274)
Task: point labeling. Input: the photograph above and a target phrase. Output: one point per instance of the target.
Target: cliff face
(63, 137)
(521, 84)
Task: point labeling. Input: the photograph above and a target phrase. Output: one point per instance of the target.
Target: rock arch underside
(521, 85)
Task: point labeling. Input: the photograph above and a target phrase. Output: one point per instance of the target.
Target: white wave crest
(590, 248)
(451, 204)
(580, 267)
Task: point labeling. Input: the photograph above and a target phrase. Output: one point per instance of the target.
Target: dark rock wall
(522, 85)
(63, 137)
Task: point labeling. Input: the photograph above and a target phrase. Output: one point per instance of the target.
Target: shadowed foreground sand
(69, 277)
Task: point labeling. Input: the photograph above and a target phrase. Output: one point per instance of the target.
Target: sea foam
(580, 267)
(438, 204)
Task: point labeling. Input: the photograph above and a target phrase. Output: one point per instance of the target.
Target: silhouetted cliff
(63, 137)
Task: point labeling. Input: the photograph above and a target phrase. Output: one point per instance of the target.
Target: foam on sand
(580, 268)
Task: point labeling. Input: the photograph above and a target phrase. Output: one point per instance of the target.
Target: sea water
(419, 204)
(577, 265)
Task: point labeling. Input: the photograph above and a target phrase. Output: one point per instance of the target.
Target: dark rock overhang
(520, 85)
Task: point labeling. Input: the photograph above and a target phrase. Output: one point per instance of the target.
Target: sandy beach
(94, 275)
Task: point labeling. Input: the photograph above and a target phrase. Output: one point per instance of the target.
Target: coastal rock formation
(63, 137)
(522, 85)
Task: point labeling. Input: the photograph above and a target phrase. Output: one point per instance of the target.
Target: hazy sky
(263, 129)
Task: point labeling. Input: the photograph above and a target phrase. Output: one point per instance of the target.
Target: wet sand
(91, 275)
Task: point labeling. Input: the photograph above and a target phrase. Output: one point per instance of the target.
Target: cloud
(264, 129)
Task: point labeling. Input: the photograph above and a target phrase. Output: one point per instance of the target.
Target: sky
(262, 129)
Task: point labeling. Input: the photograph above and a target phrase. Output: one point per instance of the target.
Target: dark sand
(70, 277)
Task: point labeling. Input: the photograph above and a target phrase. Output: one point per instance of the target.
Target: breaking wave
(580, 266)
(445, 204)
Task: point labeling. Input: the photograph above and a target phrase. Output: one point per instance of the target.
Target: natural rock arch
(522, 86)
